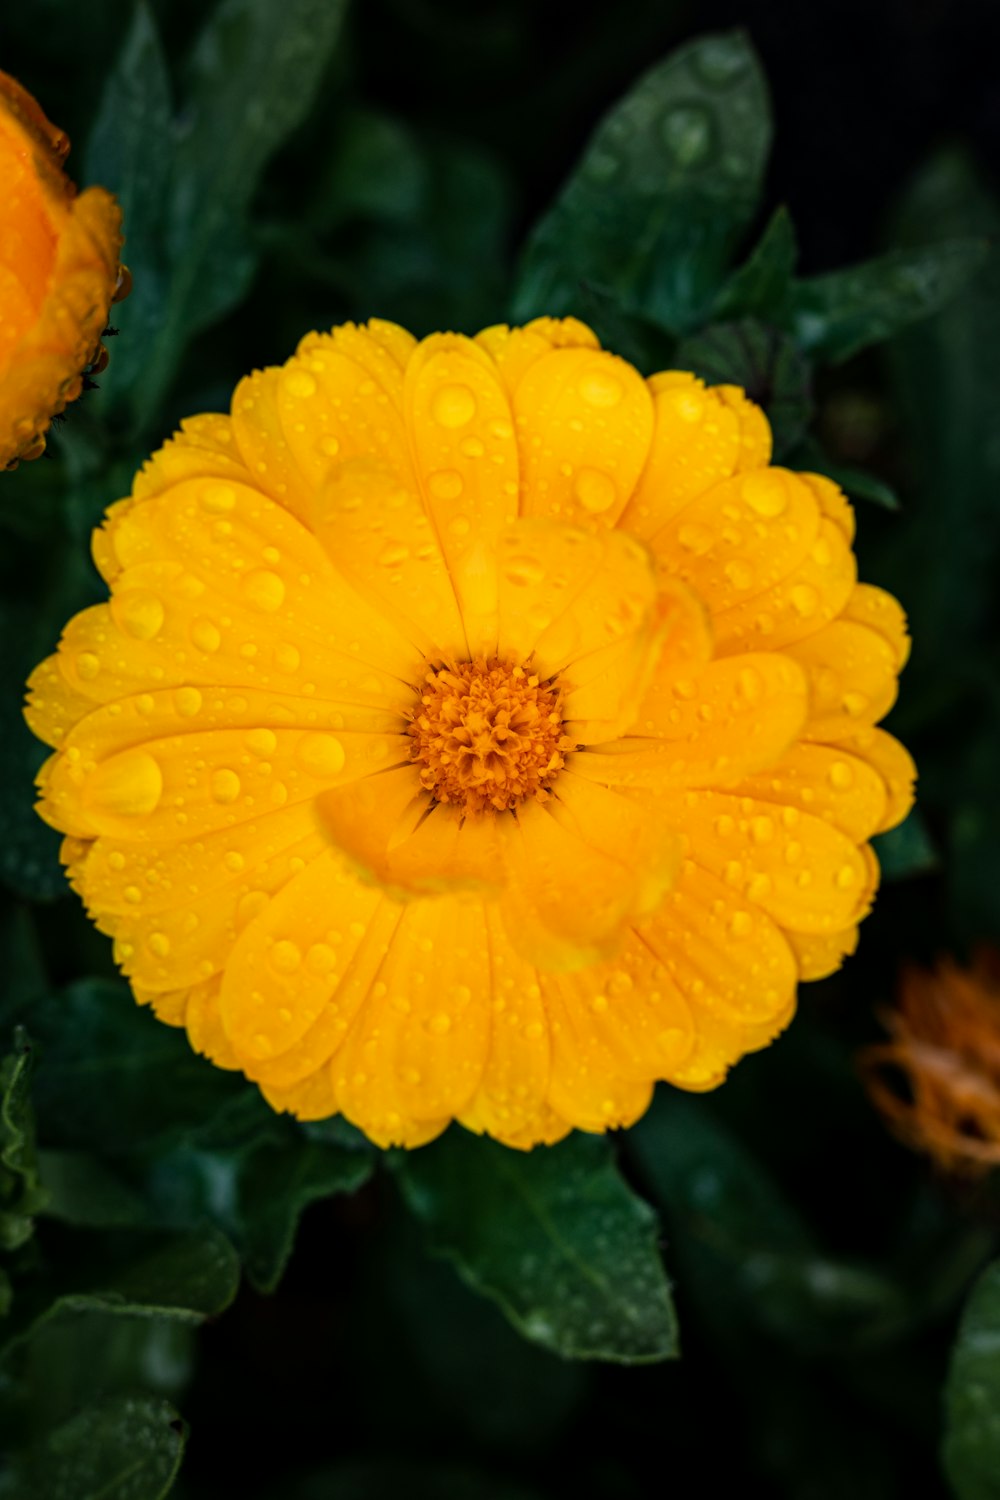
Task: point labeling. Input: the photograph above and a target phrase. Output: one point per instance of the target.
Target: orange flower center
(488, 735)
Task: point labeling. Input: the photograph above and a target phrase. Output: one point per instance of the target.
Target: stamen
(487, 735)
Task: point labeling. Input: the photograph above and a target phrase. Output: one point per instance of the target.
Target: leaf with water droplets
(554, 1236)
(666, 187)
(122, 1448)
(971, 1450)
(836, 315)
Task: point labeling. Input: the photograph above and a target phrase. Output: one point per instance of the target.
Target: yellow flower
(59, 274)
(945, 1049)
(475, 730)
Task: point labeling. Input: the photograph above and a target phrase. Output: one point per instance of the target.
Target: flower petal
(584, 423)
(852, 678)
(806, 599)
(695, 445)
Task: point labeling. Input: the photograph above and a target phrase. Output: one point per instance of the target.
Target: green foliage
(971, 1452)
(120, 1449)
(665, 190)
(554, 1236)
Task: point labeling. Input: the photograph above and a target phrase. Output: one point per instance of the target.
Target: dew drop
(453, 405)
(205, 635)
(687, 135)
(598, 387)
(524, 571)
(446, 484)
(764, 492)
(846, 877)
(234, 861)
(158, 944)
(595, 490)
(225, 786)
(394, 554)
(217, 498)
(320, 959)
(87, 666)
(300, 384)
(440, 1024)
(320, 754)
(805, 599)
(138, 612)
(459, 526)
(285, 956)
(840, 775)
(695, 538)
(761, 830)
(187, 702)
(130, 785)
(264, 590)
(689, 405)
(740, 924)
(261, 741)
(287, 657)
(739, 573)
(329, 446)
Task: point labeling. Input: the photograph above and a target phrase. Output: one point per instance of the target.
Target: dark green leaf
(857, 483)
(667, 186)
(744, 1247)
(252, 77)
(120, 1449)
(971, 1452)
(106, 1062)
(275, 1187)
(131, 1273)
(555, 1236)
(765, 363)
(834, 316)
(907, 850)
(21, 1192)
(760, 288)
(130, 151)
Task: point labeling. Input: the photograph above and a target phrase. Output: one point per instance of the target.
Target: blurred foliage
(818, 1271)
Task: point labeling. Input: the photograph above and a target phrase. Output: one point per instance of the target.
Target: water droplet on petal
(595, 490)
(320, 754)
(446, 484)
(264, 590)
(261, 741)
(138, 612)
(453, 405)
(217, 498)
(300, 384)
(764, 491)
(87, 665)
(286, 956)
(394, 554)
(287, 657)
(598, 387)
(805, 599)
(225, 785)
(205, 635)
(187, 702)
(840, 775)
(524, 571)
(130, 785)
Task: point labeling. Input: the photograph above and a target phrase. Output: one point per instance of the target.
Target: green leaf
(251, 79)
(131, 1273)
(130, 151)
(554, 1236)
(906, 851)
(859, 484)
(768, 366)
(120, 1449)
(971, 1452)
(275, 1187)
(836, 315)
(760, 288)
(666, 188)
(746, 1252)
(21, 1192)
(107, 1061)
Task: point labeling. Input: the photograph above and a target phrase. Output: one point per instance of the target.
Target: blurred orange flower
(59, 274)
(945, 1047)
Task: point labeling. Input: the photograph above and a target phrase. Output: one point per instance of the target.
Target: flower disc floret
(475, 731)
(487, 735)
